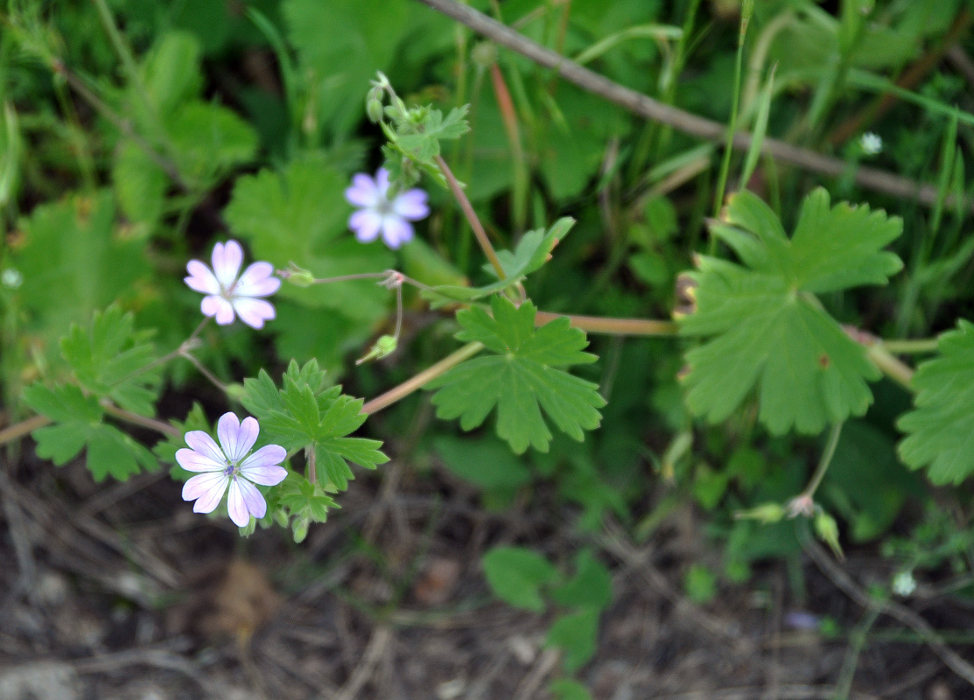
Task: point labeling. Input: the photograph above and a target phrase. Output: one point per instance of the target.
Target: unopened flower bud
(297, 276)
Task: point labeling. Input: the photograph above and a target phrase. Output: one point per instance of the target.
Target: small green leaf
(110, 359)
(308, 412)
(521, 378)
(591, 586)
(764, 329)
(568, 689)
(516, 576)
(940, 430)
(576, 634)
(530, 254)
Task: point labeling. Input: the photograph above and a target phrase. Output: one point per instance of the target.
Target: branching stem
(472, 219)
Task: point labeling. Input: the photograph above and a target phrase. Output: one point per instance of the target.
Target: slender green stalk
(735, 102)
(472, 219)
(824, 462)
(881, 356)
(420, 380)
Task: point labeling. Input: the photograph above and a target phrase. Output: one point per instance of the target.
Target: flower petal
(366, 225)
(236, 437)
(219, 307)
(363, 192)
(201, 442)
(396, 231)
(382, 182)
(253, 312)
(207, 490)
(245, 500)
(193, 461)
(201, 278)
(257, 281)
(227, 259)
(411, 205)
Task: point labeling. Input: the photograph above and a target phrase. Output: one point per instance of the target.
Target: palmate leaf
(763, 326)
(78, 425)
(521, 378)
(940, 430)
(108, 358)
(307, 411)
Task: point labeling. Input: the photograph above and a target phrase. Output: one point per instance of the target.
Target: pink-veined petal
(253, 312)
(201, 278)
(227, 259)
(257, 281)
(207, 490)
(266, 456)
(245, 500)
(218, 307)
(265, 475)
(236, 437)
(193, 461)
(366, 225)
(411, 205)
(202, 442)
(396, 231)
(363, 192)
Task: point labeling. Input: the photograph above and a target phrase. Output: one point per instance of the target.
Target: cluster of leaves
(111, 364)
(528, 580)
(307, 413)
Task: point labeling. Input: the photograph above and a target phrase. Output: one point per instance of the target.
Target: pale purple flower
(380, 213)
(228, 464)
(227, 294)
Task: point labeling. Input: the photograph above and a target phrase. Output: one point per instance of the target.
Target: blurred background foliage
(137, 133)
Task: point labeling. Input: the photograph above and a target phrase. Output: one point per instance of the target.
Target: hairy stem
(612, 326)
(472, 219)
(135, 419)
(19, 430)
(824, 462)
(420, 380)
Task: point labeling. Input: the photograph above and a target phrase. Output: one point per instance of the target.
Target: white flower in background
(870, 143)
(228, 296)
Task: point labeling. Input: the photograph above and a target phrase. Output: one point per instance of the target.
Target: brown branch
(645, 106)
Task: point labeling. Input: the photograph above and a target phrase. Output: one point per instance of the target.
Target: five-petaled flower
(228, 464)
(227, 294)
(380, 213)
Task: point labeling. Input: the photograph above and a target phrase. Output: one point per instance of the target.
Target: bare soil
(120, 591)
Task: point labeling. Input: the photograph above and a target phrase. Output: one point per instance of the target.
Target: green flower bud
(298, 276)
(765, 513)
(383, 347)
(828, 531)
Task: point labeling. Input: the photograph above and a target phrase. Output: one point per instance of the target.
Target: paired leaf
(306, 411)
(940, 430)
(78, 426)
(764, 328)
(521, 378)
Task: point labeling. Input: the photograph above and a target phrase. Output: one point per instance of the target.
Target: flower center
(384, 207)
(230, 470)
